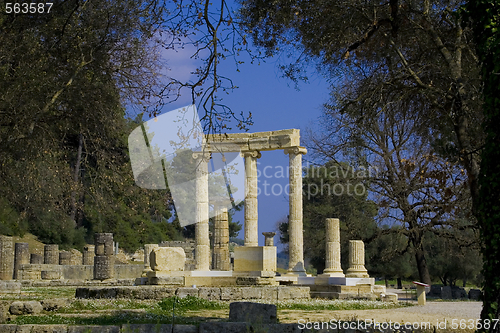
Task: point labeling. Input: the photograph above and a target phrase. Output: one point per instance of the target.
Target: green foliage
(189, 303)
(484, 18)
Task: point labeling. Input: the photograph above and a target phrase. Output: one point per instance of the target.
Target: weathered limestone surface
(51, 254)
(64, 258)
(167, 259)
(202, 213)
(251, 202)
(332, 263)
(21, 257)
(254, 141)
(357, 260)
(295, 228)
(104, 260)
(148, 248)
(10, 287)
(249, 312)
(6, 258)
(88, 255)
(36, 258)
(269, 238)
(255, 259)
(221, 259)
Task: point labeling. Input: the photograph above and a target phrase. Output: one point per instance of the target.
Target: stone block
(169, 259)
(10, 287)
(251, 293)
(215, 327)
(446, 292)
(158, 328)
(36, 258)
(230, 293)
(213, 294)
(255, 258)
(166, 280)
(51, 275)
(23, 308)
(269, 293)
(249, 312)
(389, 297)
(94, 329)
(49, 329)
(55, 304)
(183, 292)
(8, 328)
(458, 293)
(286, 292)
(64, 258)
(475, 294)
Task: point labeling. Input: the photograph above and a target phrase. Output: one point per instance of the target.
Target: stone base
(167, 280)
(356, 281)
(357, 273)
(330, 280)
(255, 258)
(256, 281)
(263, 274)
(287, 279)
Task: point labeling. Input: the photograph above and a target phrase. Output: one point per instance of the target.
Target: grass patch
(189, 303)
(106, 304)
(118, 319)
(332, 305)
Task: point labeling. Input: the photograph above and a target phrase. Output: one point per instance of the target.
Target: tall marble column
(221, 259)
(295, 228)
(202, 212)
(332, 263)
(251, 203)
(357, 260)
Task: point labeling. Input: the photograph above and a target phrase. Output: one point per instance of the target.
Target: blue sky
(275, 104)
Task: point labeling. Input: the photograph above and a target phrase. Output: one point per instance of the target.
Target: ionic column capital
(201, 155)
(250, 153)
(295, 150)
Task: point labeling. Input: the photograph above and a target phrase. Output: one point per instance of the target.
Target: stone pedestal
(51, 254)
(36, 259)
(255, 260)
(332, 263)
(104, 260)
(295, 228)
(21, 257)
(64, 258)
(269, 238)
(356, 260)
(251, 203)
(221, 260)
(167, 264)
(88, 255)
(6, 258)
(202, 213)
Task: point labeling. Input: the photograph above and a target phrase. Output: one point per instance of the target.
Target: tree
(484, 16)
(65, 77)
(414, 187)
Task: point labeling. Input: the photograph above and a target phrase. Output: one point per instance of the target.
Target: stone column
(269, 238)
(36, 258)
(202, 212)
(21, 257)
(88, 255)
(104, 260)
(221, 260)
(295, 228)
(148, 248)
(251, 203)
(51, 254)
(64, 258)
(6, 258)
(332, 263)
(356, 260)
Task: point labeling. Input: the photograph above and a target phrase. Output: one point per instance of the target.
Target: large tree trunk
(423, 270)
